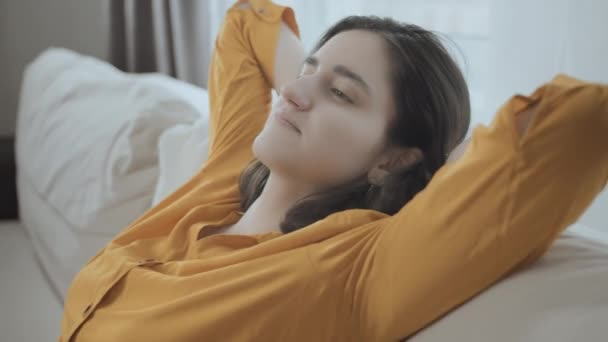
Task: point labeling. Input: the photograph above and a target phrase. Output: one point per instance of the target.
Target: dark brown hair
(432, 109)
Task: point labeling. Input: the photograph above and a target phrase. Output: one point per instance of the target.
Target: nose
(295, 94)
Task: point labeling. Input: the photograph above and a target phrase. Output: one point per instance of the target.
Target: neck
(268, 210)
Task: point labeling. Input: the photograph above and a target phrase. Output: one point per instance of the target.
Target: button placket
(94, 301)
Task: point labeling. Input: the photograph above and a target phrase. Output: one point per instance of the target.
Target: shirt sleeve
(240, 83)
(494, 211)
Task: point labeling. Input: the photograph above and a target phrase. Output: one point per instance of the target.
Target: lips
(284, 119)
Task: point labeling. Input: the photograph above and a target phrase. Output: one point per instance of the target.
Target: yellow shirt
(357, 275)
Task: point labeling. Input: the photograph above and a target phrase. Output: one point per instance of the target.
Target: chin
(275, 156)
(262, 148)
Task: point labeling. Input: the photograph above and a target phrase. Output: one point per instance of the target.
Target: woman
(337, 232)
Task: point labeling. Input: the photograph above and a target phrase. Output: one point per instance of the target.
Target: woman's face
(340, 106)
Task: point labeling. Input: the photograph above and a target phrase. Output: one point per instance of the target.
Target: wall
(27, 27)
(529, 49)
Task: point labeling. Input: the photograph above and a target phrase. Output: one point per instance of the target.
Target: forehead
(363, 52)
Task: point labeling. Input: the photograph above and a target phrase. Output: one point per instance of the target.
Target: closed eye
(337, 92)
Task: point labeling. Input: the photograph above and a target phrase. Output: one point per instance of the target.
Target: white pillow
(87, 136)
(561, 298)
(182, 150)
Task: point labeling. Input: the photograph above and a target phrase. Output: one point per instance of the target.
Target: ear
(397, 158)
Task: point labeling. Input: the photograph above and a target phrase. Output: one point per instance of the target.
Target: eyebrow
(342, 71)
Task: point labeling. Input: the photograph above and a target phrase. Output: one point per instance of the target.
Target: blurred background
(503, 46)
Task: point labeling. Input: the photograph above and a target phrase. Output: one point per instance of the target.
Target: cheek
(348, 145)
(333, 148)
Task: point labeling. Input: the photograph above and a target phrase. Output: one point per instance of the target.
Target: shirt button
(87, 309)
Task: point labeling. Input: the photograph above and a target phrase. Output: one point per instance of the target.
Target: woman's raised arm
(518, 185)
(255, 50)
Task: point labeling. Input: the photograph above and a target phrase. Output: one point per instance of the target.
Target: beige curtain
(170, 37)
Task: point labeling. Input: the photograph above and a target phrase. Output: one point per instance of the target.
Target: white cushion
(87, 136)
(182, 150)
(561, 298)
